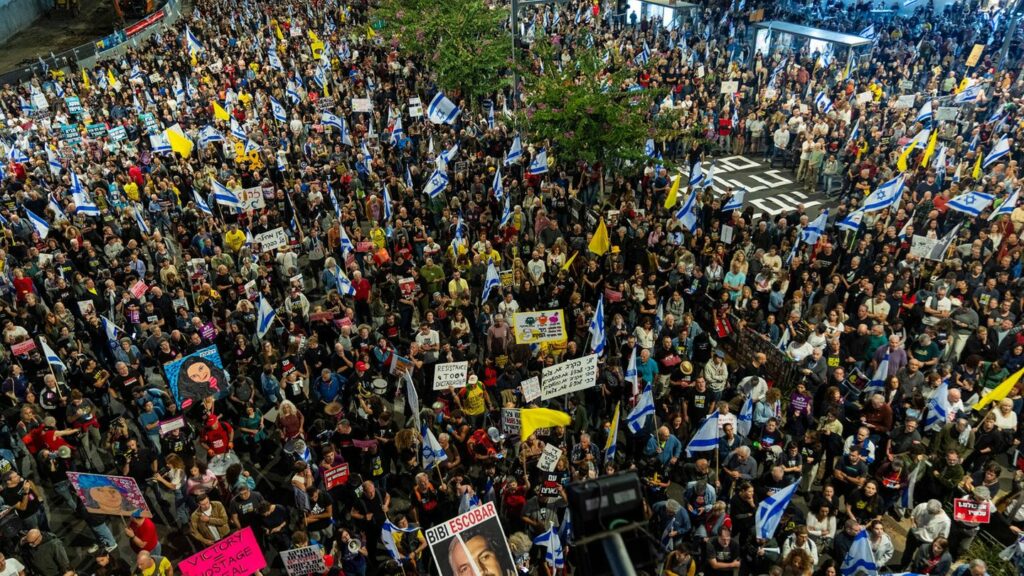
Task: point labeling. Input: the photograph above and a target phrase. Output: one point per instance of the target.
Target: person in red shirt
(218, 437)
(362, 297)
(141, 534)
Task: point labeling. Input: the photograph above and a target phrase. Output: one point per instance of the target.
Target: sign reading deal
(304, 561)
(534, 327)
(570, 376)
(450, 375)
(272, 239)
(967, 510)
(237, 553)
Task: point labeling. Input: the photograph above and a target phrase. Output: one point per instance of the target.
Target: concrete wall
(15, 15)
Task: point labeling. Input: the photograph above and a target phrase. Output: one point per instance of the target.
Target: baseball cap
(495, 436)
(361, 366)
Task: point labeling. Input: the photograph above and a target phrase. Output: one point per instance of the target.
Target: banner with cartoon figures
(197, 376)
(113, 495)
(535, 327)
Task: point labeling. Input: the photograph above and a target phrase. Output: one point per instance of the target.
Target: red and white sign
(336, 476)
(967, 510)
(138, 289)
(144, 23)
(22, 348)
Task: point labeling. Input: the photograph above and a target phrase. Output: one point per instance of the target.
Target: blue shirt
(672, 448)
(647, 370)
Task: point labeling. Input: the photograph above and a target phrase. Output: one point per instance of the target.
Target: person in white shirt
(928, 522)
(536, 268)
(11, 566)
(937, 307)
(508, 306)
(429, 342)
(881, 544)
(799, 539)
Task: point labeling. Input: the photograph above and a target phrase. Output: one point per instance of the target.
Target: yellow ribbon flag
(570, 260)
(931, 148)
(277, 32)
(370, 33)
(179, 142)
(673, 193)
(613, 434)
(600, 243)
(531, 419)
(963, 85)
(999, 392)
(976, 173)
(219, 112)
(112, 80)
(901, 163)
(85, 80)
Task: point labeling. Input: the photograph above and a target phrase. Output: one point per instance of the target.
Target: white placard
(510, 421)
(362, 105)
(39, 101)
(304, 561)
(450, 375)
(251, 198)
(946, 113)
(922, 246)
(272, 239)
(905, 101)
(415, 108)
(567, 377)
(730, 87)
(865, 97)
(727, 234)
(549, 458)
(531, 389)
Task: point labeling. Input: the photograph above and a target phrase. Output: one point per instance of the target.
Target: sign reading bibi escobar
(569, 376)
(471, 543)
(534, 327)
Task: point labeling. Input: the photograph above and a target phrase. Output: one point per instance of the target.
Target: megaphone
(354, 545)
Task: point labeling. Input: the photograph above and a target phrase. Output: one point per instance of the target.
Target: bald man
(665, 447)
(150, 565)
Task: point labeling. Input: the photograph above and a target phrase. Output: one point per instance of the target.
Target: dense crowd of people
(235, 202)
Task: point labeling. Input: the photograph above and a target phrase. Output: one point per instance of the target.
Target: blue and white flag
(194, 47)
(140, 221)
(631, 373)
(1007, 206)
(433, 453)
(236, 130)
(972, 203)
(491, 281)
(814, 229)
(644, 409)
(51, 357)
(884, 196)
(279, 113)
(499, 188)
(15, 154)
(1000, 150)
(855, 133)
(974, 143)
(706, 437)
(696, 174)
(293, 94)
(515, 153)
(860, 560)
(437, 183)
(344, 242)
(41, 225)
(770, 511)
(225, 197)
(345, 287)
(539, 164)
(387, 537)
(201, 203)
(736, 200)
(53, 162)
(823, 103)
(58, 210)
(553, 545)
(827, 56)
(969, 94)
(938, 408)
(251, 146)
(442, 110)
(396, 132)
(709, 177)
(868, 32)
(687, 214)
(209, 135)
(445, 158)
(924, 115)
(998, 114)
(506, 213)
(83, 205)
(643, 56)
(386, 200)
(265, 319)
(649, 148)
(275, 60)
(852, 221)
(110, 329)
(877, 382)
(598, 341)
(745, 419)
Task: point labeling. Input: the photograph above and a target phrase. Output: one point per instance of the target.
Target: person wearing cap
(141, 534)
(716, 373)
(963, 532)
(218, 437)
(474, 400)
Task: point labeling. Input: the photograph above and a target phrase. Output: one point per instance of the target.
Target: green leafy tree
(464, 42)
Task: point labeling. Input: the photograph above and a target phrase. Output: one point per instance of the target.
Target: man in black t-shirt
(370, 512)
(722, 554)
(697, 402)
(23, 495)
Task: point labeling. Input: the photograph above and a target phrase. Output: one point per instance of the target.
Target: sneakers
(112, 547)
(93, 549)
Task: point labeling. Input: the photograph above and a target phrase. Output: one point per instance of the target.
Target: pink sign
(235, 554)
(138, 289)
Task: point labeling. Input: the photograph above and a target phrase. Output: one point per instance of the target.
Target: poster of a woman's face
(113, 495)
(199, 378)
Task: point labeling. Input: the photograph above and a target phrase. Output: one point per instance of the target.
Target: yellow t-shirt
(473, 403)
(161, 568)
(234, 240)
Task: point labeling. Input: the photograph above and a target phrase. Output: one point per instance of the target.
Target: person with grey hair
(928, 521)
(740, 465)
(976, 567)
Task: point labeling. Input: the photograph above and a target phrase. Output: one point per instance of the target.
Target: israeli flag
(823, 103)
(293, 94)
(408, 177)
(972, 203)
(140, 221)
(938, 408)
(696, 174)
(539, 164)
(194, 46)
(706, 437)
(814, 229)
(745, 419)
(515, 153)
(83, 205)
(855, 133)
(209, 135)
(266, 318)
(736, 201)
(437, 183)
(51, 357)
(643, 57)
(53, 162)
(825, 60)
(236, 130)
(924, 115)
(884, 196)
(278, 110)
(631, 373)
(769, 512)
(433, 453)
(110, 329)
(225, 197)
(1007, 206)
(644, 408)
(687, 215)
(386, 200)
(877, 382)
(275, 60)
(649, 148)
(969, 94)
(345, 287)
(41, 225)
(852, 221)
(974, 143)
(868, 32)
(345, 242)
(597, 336)
(1001, 149)
(499, 190)
(15, 154)
(58, 211)
(442, 110)
(553, 544)
(201, 204)
(998, 114)
(445, 158)
(491, 281)
(396, 132)
(387, 537)
(709, 176)
(506, 213)
(860, 560)
(252, 146)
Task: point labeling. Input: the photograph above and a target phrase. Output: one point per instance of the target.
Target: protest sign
(336, 476)
(251, 199)
(272, 239)
(197, 376)
(507, 277)
(510, 422)
(97, 130)
(112, 495)
(170, 425)
(74, 105)
(450, 375)
(968, 510)
(400, 365)
(304, 561)
(415, 107)
(118, 133)
(23, 348)
(471, 543)
(362, 105)
(407, 286)
(569, 376)
(531, 389)
(535, 327)
(237, 553)
(138, 289)
(946, 113)
(975, 55)
(730, 87)
(922, 246)
(549, 458)
(905, 101)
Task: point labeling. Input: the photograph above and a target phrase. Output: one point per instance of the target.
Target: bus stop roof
(672, 4)
(815, 33)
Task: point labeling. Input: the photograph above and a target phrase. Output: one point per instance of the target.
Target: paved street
(771, 191)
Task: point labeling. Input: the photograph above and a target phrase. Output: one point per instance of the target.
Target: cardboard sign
(511, 424)
(272, 239)
(400, 365)
(168, 426)
(922, 246)
(415, 108)
(450, 375)
(236, 553)
(905, 101)
(23, 348)
(304, 561)
(968, 510)
(479, 525)
(111, 495)
(138, 289)
(336, 476)
(531, 389)
(507, 278)
(865, 97)
(946, 113)
(536, 327)
(730, 87)
(975, 55)
(362, 105)
(571, 376)
(549, 458)
(251, 198)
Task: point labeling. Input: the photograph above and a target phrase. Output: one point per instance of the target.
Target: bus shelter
(774, 35)
(669, 12)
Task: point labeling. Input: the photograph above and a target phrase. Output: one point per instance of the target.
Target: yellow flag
(312, 36)
(600, 243)
(277, 32)
(963, 85)
(999, 392)
(976, 173)
(531, 419)
(931, 147)
(85, 80)
(219, 112)
(673, 193)
(901, 163)
(614, 432)
(570, 260)
(179, 142)
(112, 80)
(370, 33)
